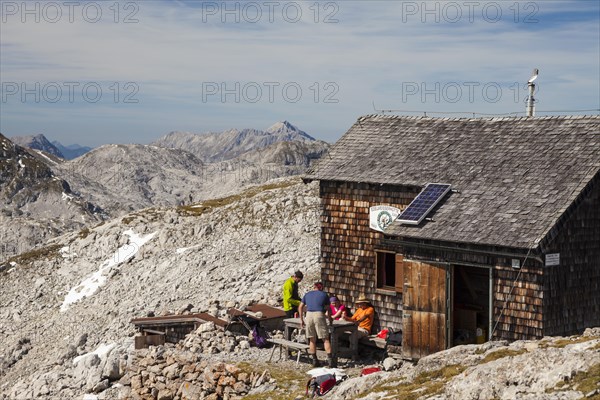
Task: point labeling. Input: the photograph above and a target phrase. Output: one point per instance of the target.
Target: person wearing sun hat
(363, 317)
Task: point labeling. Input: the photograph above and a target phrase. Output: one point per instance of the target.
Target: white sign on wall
(552, 259)
(380, 217)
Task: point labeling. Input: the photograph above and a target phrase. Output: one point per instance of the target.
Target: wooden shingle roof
(515, 177)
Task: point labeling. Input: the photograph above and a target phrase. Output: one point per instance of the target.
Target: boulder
(112, 370)
(190, 391)
(390, 364)
(165, 394)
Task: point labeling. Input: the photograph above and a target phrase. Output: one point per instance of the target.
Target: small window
(389, 271)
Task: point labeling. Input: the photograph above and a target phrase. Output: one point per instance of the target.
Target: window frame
(380, 275)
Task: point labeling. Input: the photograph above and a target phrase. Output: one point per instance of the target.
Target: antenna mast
(530, 110)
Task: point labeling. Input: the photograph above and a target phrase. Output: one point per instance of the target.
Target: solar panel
(418, 209)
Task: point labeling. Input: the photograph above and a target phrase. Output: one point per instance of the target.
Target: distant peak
(283, 125)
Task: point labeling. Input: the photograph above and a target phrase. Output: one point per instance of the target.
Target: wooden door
(423, 309)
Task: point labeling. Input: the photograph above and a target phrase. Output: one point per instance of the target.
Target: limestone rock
(390, 364)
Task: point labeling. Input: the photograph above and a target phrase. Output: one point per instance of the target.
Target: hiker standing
(291, 298)
(318, 314)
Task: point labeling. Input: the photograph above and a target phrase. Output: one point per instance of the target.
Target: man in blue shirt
(318, 317)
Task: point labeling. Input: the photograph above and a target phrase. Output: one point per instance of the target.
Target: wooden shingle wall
(518, 302)
(515, 315)
(347, 243)
(572, 301)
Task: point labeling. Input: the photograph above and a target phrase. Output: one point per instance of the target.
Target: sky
(97, 72)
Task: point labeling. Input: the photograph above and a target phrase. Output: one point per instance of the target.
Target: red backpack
(320, 385)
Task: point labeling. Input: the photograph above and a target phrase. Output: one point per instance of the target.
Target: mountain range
(55, 148)
(112, 180)
(220, 146)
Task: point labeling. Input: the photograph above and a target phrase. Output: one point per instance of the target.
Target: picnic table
(337, 329)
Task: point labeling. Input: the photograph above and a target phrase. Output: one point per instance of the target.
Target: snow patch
(91, 284)
(182, 250)
(45, 156)
(66, 197)
(102, 351)
(21, 163)
(89, 396)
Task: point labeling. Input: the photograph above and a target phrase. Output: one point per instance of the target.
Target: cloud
(177, 50)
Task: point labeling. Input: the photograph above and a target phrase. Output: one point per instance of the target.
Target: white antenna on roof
(530, 110)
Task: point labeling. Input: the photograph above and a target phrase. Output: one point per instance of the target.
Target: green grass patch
(425, 384)
(496, 355)
(291, 382)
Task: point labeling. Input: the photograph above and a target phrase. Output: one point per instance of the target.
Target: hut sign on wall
(552, 259)
(381, 216)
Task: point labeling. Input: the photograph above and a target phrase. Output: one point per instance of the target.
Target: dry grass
(208, 205)
(426, 384)
(149, 214)
(561, 343)
(37, 254)
(84, 233)
(291, 382)
(585, 382)
(496, 355)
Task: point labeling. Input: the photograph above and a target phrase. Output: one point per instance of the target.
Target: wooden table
(337, 329)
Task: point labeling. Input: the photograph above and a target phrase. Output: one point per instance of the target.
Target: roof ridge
(488, 118)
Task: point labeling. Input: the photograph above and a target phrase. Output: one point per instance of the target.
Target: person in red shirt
(338, 310)
(363, 317)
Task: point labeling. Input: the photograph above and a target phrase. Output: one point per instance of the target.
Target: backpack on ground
(394, 338)
(260, 336)
(320, 385)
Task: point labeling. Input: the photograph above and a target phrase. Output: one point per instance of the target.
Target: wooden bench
(373, 341)
(288, 344)
(390, 350)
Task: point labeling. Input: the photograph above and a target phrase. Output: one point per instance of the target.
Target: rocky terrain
(129, 177)
(79, 292)
(550, 368)
(37, 204)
